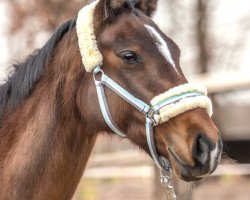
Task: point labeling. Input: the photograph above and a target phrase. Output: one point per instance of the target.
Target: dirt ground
(223, 188)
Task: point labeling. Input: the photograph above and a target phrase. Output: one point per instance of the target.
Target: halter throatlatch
(160, 109)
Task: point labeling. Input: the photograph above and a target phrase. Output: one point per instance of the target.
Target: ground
(223, 188)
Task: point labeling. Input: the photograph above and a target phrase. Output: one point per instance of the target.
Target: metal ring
(96, 71)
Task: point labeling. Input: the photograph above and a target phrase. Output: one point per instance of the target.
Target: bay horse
(50, 114)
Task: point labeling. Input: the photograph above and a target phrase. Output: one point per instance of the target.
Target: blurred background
(214, 37)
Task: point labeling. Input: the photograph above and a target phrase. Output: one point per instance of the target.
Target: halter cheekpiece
(161, 108)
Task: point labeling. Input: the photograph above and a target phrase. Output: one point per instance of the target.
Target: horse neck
(45, 144)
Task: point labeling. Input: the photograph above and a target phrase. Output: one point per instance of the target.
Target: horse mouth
(183, 170)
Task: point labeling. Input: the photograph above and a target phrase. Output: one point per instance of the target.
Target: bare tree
(201, 27)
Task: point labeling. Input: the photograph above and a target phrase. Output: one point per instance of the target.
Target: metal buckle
(150, 114)
(167, 185)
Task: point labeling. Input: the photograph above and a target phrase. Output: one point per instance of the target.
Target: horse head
(139, 57)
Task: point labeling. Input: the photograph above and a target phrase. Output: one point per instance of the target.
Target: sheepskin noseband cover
(184, 103)
(92, 57)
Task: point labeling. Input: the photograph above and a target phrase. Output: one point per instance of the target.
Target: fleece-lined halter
(161, 108)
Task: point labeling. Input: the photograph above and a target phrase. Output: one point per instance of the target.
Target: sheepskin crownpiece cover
(92, 57)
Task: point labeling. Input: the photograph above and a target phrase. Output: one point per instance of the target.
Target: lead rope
(167, 185)
(163, 165)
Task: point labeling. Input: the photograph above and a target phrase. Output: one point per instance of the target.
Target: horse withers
(50, 113)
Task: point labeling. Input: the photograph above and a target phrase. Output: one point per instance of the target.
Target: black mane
(26, 74)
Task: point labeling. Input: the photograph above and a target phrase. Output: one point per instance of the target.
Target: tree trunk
(202, 36)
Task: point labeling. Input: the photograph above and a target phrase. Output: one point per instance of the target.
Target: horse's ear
(108, 9)
(147, 6)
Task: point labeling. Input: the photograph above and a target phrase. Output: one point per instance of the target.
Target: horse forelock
(26, 74)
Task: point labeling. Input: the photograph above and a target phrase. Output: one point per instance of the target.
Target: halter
(152, 117)
(161, 108)
(148, 110)
(151, 111)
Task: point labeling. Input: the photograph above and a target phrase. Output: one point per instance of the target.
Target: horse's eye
(129, 57)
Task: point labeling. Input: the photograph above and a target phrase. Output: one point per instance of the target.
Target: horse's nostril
(201, 150)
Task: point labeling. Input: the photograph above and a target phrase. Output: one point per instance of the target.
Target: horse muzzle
(205, 161)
